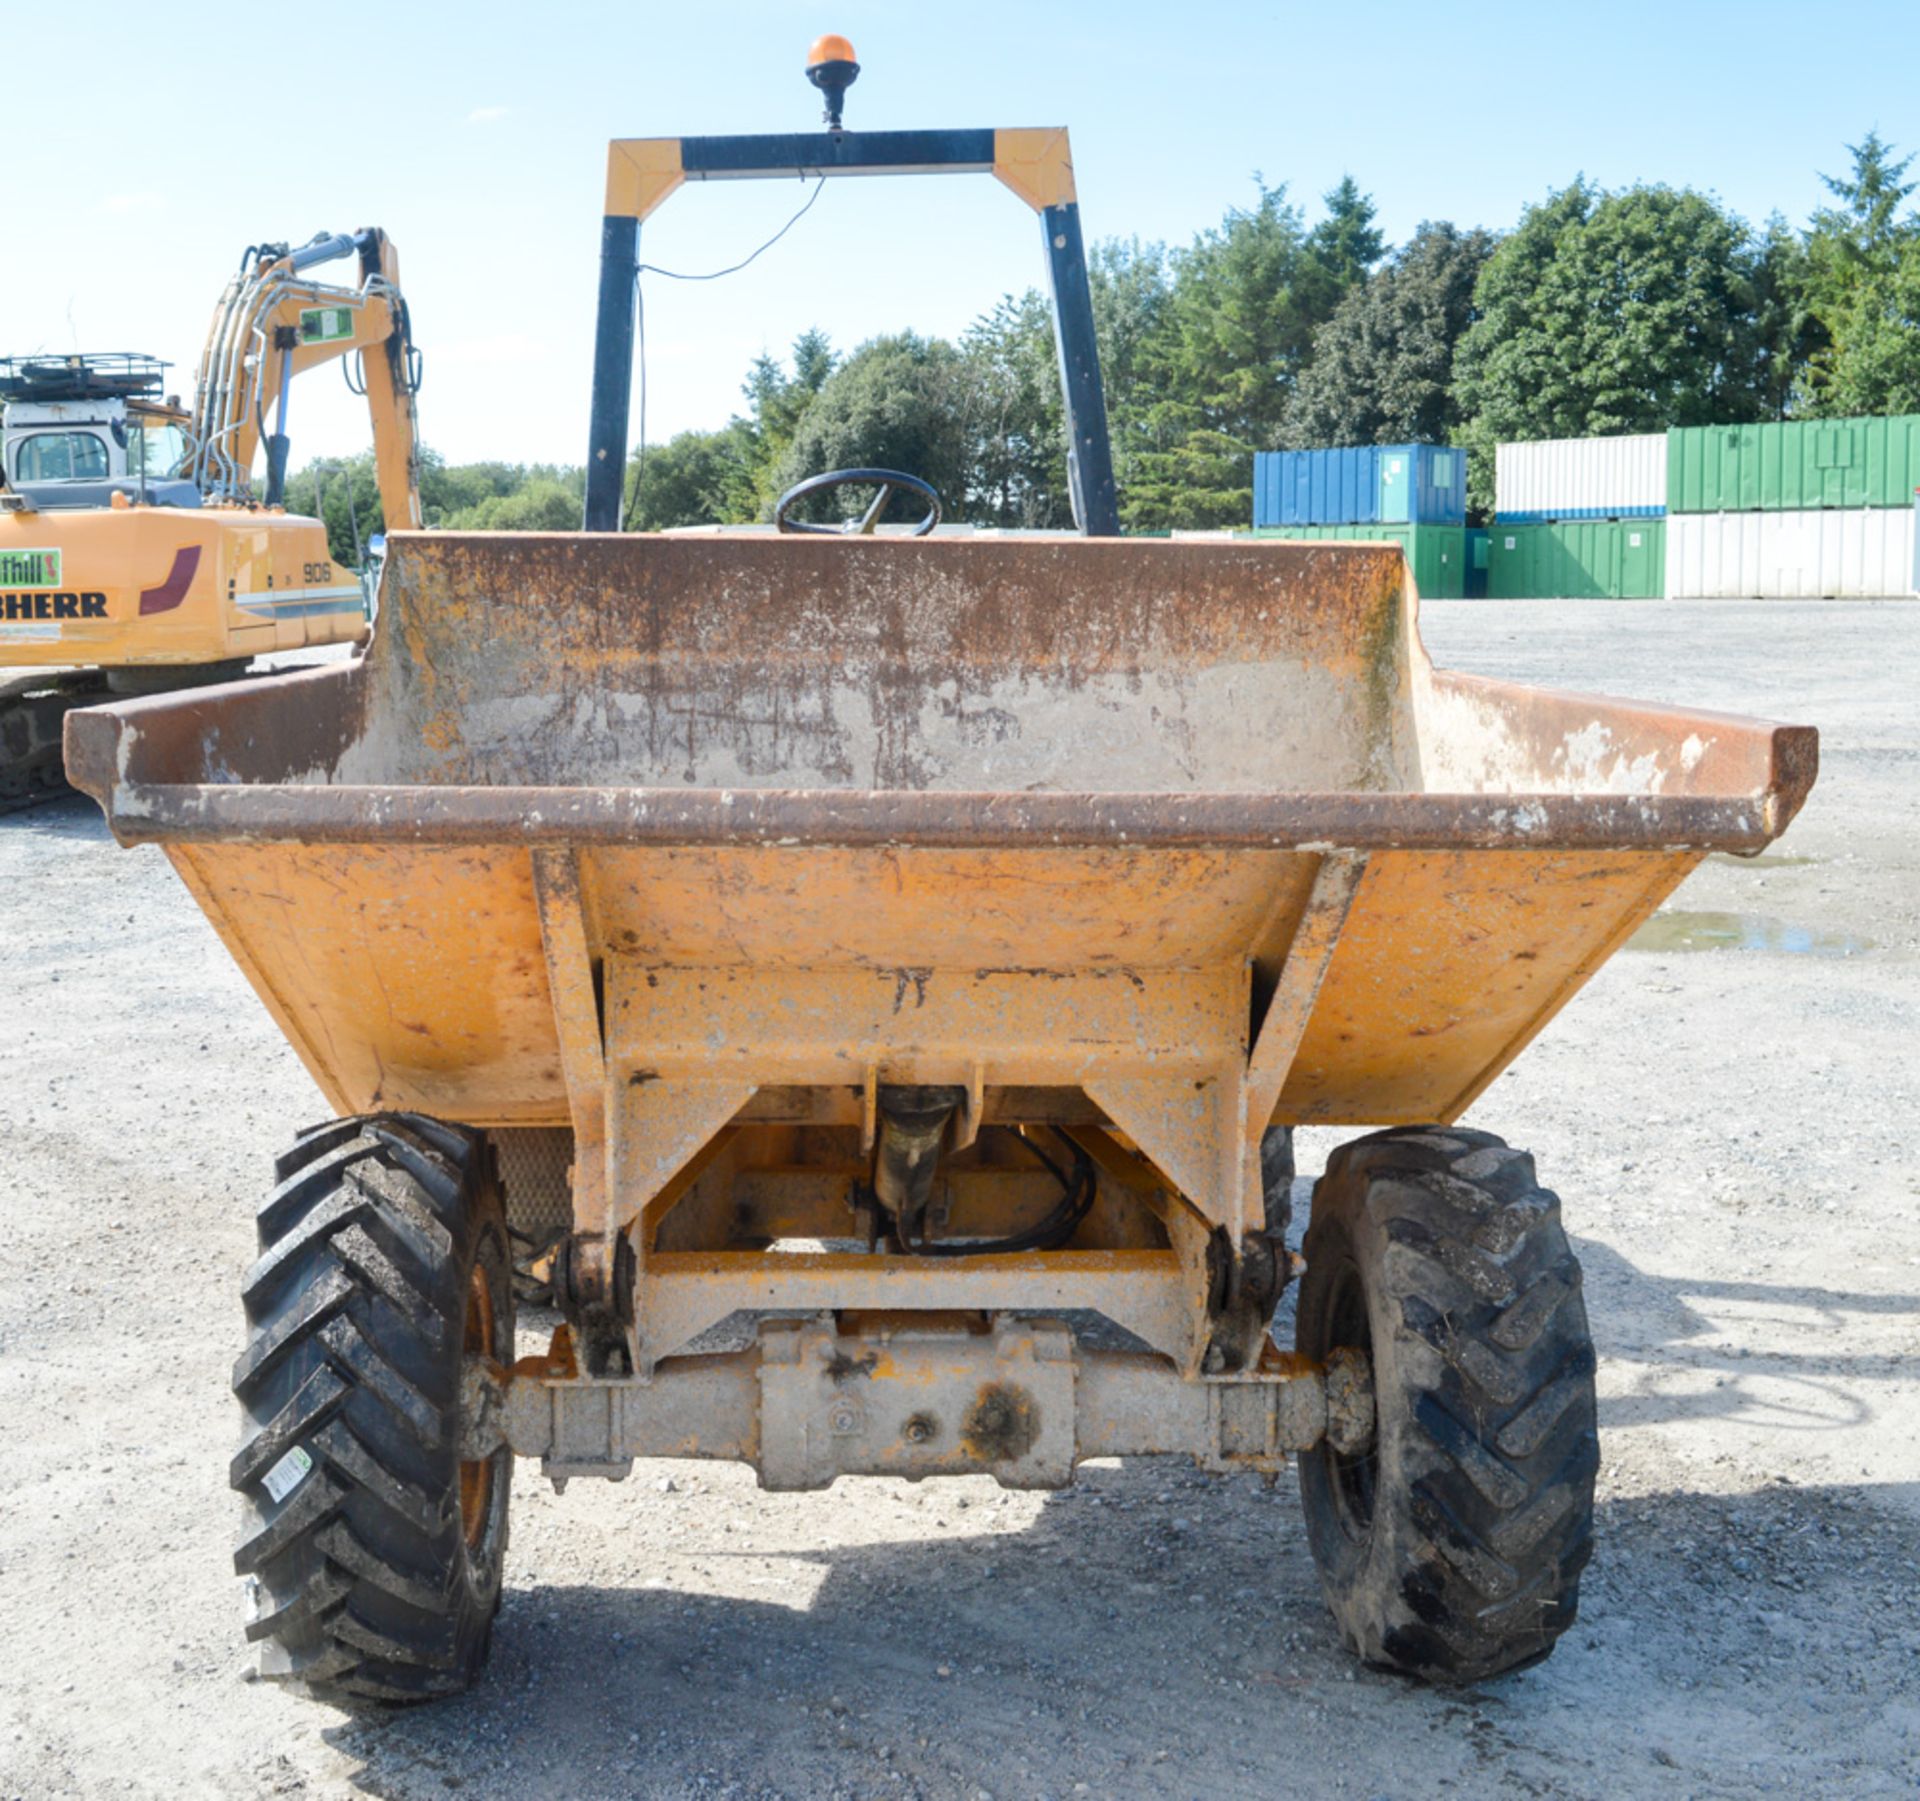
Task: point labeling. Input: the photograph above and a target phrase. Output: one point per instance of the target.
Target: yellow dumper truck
(914, 947)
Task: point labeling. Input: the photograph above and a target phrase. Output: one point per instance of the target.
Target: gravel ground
(1731, 1117)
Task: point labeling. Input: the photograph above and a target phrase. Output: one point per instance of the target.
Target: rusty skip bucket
(976, 774)
(1193, 829)
(659, 837)
(818, 904)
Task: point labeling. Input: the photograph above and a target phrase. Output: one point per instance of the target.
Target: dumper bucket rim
(161, 770)
(291, 813)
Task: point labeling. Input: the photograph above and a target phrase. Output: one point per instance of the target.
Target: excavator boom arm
(274, 323)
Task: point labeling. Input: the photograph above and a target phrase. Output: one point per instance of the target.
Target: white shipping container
(1842, 554)
(1580, 478)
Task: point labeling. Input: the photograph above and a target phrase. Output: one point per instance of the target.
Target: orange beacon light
(832, 69)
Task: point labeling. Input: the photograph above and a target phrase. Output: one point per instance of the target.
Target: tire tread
(1491, 1362)
(360, 1580)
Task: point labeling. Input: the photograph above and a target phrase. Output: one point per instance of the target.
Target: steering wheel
(886, 480)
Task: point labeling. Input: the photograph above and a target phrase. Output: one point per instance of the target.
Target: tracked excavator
(135, 554)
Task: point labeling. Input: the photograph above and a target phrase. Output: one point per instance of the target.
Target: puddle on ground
(1679, 930)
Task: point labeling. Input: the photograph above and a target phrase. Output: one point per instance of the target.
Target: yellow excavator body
(128, 586)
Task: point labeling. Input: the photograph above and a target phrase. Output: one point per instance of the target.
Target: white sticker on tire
(285, 1475)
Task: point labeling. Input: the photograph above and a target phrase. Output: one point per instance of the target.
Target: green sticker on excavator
(326, 324)
(29, 569)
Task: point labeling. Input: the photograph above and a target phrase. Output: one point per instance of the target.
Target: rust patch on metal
(1002, 1425)
(556, 1364)
(843, 1368)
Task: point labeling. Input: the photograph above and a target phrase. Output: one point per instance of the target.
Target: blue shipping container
(1368, 484)
(1316, 487)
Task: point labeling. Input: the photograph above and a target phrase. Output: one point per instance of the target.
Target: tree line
(1600, 312)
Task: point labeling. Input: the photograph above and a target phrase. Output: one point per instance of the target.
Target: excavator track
(34, 707)
(32, 710)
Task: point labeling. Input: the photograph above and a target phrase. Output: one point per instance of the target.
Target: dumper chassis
(908, 958)
(1485, 1450)
(378, 1381)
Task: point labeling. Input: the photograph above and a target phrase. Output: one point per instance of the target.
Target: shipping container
(1793, 466)
(1581, 478)
(1438, 553)
(1579, 559)
(1315, 487)
(1369, 484)
(1863, 552)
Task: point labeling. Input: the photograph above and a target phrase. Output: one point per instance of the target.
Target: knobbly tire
(1450, 1544)
(373, 1553)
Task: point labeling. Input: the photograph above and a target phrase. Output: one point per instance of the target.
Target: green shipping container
(1438, 553)
(1579, 559)
(1793, 466)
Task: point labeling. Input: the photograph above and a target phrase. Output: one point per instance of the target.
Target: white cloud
(144, 201)
(488, 115)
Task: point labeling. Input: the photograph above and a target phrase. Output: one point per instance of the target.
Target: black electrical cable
(735, 268)
(1052, 1232)
(640, 328)
(1078, 1192)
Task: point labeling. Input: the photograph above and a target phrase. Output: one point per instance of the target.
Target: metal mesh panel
(534, 1161)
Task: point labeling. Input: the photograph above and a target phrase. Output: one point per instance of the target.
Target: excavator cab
(76, 430)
